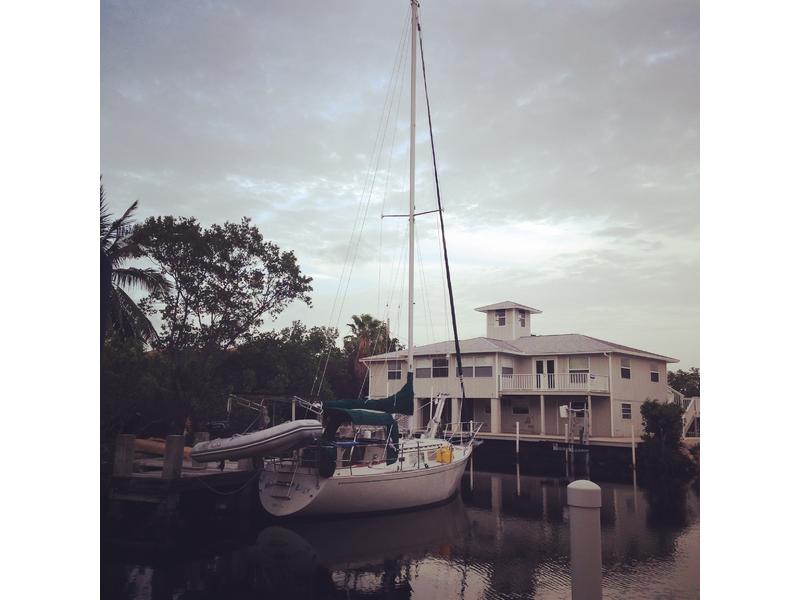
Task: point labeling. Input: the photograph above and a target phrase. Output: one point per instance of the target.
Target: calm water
(505, 537)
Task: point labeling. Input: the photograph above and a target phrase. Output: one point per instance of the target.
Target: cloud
(566, 135)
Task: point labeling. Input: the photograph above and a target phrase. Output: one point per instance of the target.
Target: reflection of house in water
(524, 539)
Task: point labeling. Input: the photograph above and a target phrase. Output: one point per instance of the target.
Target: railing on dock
(554, 382)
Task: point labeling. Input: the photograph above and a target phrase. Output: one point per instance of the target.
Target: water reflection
(506, 536)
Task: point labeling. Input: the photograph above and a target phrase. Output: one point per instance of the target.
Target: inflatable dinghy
(273, 440)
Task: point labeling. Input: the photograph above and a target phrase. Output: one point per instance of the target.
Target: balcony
(554, 382)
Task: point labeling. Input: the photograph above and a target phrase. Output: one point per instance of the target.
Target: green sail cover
(401, 403)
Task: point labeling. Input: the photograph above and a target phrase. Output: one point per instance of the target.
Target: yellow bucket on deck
(445, 455)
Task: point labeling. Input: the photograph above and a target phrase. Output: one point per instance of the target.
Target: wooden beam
(123, 455)
(173, 457)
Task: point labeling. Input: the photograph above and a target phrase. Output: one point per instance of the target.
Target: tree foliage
(686, 382)
(663, 451)
(367, 336)
(225, 280)
(118, 247)
(152, 392)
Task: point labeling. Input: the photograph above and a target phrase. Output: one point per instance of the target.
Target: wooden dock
(613, 442)
(163, 481)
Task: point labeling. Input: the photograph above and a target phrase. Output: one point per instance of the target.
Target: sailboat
(360, 464)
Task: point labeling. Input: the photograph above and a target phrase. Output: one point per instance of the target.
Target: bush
(663, 453)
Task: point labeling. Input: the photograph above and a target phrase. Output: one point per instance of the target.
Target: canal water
(505, 536)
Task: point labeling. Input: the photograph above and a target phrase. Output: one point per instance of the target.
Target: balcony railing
(554, 382)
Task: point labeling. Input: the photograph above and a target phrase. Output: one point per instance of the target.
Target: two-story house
(512, 376)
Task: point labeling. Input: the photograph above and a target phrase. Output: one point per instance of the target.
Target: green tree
(664, 454)
(118, 247)
(368, 336)
(686, 382)
(225, 280)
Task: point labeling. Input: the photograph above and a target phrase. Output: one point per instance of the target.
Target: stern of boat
(285, 487)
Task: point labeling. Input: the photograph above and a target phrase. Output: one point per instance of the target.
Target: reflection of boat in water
(366, 557)
(368, 541)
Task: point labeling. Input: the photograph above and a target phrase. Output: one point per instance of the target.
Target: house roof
(533, 345)
(507, 304)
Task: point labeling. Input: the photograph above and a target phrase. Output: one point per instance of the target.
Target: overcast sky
(567, 135)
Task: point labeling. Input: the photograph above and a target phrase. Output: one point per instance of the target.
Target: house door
(545, 373)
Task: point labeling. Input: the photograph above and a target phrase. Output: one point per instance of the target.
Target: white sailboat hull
(385, 488)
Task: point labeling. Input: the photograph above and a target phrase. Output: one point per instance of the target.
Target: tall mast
(414, 6)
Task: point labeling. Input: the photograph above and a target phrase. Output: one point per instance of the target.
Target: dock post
(633, 448)
(517, 424)
(123, 454)
(566, 452)
(173, 457)
(200, 436)
(584, 501)
(294, 409)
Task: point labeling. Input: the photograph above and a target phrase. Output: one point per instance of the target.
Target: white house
(511, 376)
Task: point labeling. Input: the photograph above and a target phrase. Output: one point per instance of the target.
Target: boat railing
(462, 433)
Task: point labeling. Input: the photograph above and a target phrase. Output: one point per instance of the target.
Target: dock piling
(584, 501)
(123, 454)
(173, 457)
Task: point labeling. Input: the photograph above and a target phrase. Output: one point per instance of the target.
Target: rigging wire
(381, 309)
(459, 371)
(364, 202)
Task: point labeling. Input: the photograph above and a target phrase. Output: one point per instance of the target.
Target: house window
(507, 370)
(523, 315)
(578, 369)
(654, 372)
(441, 367)
(500, 315)
(519, 409)
(423, 370)
(626, 410)
(483, 371)
(395, 368)
(625, 371)
(467, 371)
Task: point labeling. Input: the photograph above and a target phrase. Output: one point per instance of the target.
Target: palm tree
(368, 336)
(116, 247)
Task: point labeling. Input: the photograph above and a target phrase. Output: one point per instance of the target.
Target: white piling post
(583, 499)
(517, 423)
(633, 448)
(294, 409)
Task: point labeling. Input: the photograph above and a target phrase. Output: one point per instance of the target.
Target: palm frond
(124, 250)
(120, 228)
(105, 213)
(132, 277)
(128, 319)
